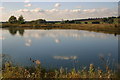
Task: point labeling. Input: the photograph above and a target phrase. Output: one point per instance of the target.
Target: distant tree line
(109, 20)
(39, 21)
(21, 20)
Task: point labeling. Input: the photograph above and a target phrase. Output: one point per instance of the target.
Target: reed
(11, 71)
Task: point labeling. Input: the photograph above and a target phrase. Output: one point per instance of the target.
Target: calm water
(56, 48)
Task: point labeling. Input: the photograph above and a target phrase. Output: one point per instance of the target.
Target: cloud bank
(57, 13)
(28, 5)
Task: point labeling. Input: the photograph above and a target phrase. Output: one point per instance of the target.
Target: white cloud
(28, 5)
(2, 8)
(53, 10)
(59, 14)
(57, 5)
(26, 1)
(76, 10)
(104, 9)
(32, 10)
(89, 10)
(23, 10)
(36, 10)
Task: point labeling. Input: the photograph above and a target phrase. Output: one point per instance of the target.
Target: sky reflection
(55, 34)
(55, 48)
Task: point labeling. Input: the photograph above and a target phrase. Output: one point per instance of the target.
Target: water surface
(59, 48)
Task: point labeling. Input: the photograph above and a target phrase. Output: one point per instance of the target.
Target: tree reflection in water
(14, 31)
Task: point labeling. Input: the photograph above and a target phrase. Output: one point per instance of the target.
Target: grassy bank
(105, 28)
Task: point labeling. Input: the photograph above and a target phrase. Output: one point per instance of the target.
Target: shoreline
(104, 28)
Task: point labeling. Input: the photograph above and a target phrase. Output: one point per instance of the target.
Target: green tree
(12, 20)
(39, 21)
(110, 20)
(105, 20)
(21, 20)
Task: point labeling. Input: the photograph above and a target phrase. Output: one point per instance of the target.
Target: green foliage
(12, 20)
(86, 22)
(21, 20)
(109, 20)
(96, 22)
(39, 21)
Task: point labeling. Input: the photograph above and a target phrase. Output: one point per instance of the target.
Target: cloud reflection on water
(2, 38)
(55, 35)
(28, 42)
(65, 57)
(74, 45)
(65, 33)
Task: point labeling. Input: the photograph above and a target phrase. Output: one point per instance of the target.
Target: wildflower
(107, 68)
(100, 73)
(91, 68)
(37, 62)
(33, 73)
(28, 76)
(109, 73)
(56, 73)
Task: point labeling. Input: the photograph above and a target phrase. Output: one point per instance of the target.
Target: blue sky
(58, 10)
(61, 0)
(65, 5)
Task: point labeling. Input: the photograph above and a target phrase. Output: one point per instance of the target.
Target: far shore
(105, 28)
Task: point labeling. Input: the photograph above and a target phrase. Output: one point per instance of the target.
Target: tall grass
(11, 71)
